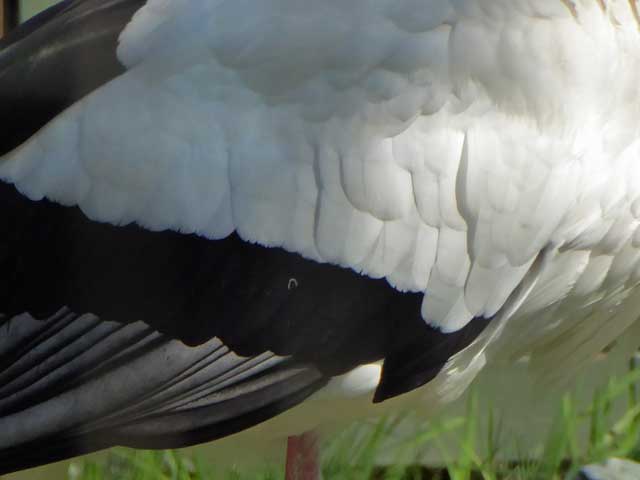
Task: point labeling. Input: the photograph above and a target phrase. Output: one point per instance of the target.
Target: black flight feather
(72, 384)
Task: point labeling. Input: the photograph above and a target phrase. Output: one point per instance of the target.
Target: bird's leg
(302, 457)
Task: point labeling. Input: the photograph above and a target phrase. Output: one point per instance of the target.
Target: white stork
(212, 210)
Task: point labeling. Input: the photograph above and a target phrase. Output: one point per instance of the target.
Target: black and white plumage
(212, 210)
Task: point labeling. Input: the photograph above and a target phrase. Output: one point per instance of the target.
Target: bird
(216, 213)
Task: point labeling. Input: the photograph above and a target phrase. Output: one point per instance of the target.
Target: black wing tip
(414, 364)
(394, 386)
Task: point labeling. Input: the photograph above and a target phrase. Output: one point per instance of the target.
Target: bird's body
(312, 189)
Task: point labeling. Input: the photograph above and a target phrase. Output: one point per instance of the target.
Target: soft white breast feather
(439, 144)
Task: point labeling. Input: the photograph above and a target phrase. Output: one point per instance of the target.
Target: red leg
(302, 457)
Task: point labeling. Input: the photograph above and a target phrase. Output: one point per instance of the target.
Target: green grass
(472, 446)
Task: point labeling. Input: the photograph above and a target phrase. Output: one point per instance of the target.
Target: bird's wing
(433, 144)
(74, 384)
(439, 148)
(190, 288)
(162, 301)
